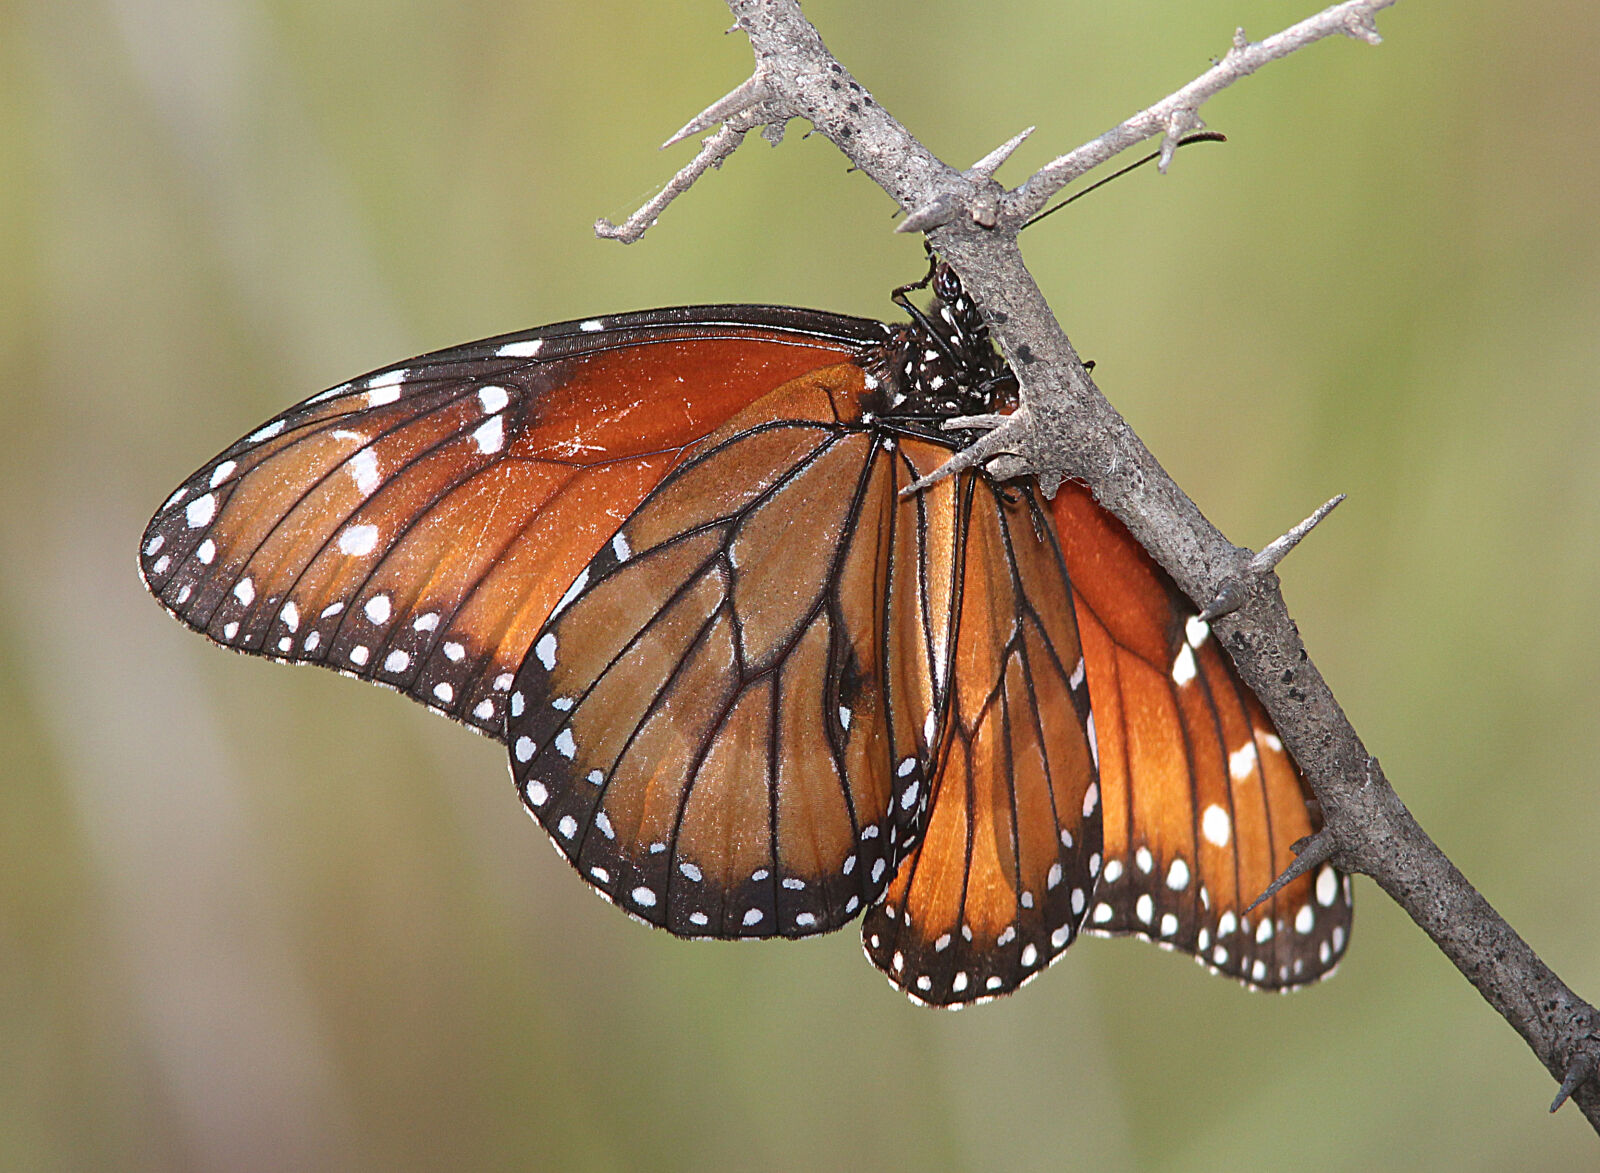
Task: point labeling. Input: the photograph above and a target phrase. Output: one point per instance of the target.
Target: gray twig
(1066, 428)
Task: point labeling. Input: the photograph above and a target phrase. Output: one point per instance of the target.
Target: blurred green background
(255, 919)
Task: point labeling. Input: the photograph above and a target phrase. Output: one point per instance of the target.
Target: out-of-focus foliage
(260, 919)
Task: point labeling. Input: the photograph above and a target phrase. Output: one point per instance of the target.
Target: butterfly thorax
(943, 364)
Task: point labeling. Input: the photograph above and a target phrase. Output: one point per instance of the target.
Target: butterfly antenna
(1205, 136)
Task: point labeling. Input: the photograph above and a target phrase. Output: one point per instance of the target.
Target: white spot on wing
(1216, 826)
(573, 592)
(593, 325)
(222, 472)
(490, 435)
(1183, 666)
(245, 591)
(1242, 761)
(1195, 630)
(524, 349)
(200, 511)
(619, 547)
(358, 540)
(545, 649)
(364, 471)
(1178, 875)
(1327, 886)
(493, 399)
(396, 661)
(265, 433)
(206, 551)
(377, 609)
(380, 395)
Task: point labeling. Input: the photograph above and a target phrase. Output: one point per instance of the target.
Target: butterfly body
(747, 686)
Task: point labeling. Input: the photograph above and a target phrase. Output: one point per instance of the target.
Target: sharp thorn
(1311, 852)
(985, 167)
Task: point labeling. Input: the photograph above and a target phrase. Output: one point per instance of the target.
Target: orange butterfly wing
(1001, 880)
(706, 726)
(1201, 800)
(416, 527)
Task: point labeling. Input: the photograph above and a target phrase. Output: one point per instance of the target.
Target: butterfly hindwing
(1202, 803)
(1000, 882)
(704, 726)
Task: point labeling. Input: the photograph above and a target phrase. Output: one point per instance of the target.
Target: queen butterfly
(749, 689)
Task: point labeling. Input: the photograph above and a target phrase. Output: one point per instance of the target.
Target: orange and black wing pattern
(1202, 803)
(416, 526)
(999, 883)
(749, 684)
(707, 726)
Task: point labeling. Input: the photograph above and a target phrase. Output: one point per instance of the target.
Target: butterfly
(748, 684)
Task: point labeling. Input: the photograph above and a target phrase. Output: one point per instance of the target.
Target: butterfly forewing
(1202, 802)
(1000, 881)
(704, 726)
(415, 527)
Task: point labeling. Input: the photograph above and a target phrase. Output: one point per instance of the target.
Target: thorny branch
(1065, 428)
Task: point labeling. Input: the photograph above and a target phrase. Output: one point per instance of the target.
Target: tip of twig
(606, 230)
